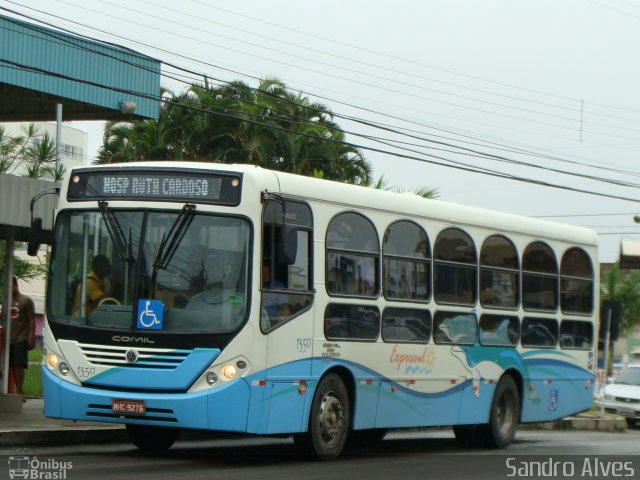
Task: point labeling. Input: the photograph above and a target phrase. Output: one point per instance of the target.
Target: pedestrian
(23, 336)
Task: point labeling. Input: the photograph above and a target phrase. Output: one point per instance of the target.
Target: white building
(74, 142)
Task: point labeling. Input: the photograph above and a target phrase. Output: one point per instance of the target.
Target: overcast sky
(552, 83)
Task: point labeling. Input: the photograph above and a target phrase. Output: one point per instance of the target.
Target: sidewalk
(31, 427)
(583, 421)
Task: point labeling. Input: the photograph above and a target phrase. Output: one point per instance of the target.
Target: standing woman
(23, 336)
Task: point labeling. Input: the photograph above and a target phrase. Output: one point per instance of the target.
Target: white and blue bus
(233, 298)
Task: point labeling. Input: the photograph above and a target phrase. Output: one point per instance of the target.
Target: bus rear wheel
(330, 418)
(504, 416)
(152, 439)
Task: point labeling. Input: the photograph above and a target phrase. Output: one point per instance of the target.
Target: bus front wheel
(330, 418)
(504, 415)
(152, 439)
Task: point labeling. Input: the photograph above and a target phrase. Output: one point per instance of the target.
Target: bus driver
(96, 290)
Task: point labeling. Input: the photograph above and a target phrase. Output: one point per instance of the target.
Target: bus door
(286, 313)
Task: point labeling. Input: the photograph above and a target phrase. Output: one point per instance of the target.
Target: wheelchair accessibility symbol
(150, 314)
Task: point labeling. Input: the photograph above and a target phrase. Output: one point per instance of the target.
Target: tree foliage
(22, 269)
(424, 192)
(30, 154)
(33, 155)
(623, 287)
(269, 126)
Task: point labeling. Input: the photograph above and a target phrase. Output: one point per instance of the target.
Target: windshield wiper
(170, 241)
(123, 247)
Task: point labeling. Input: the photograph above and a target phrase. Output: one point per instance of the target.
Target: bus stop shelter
(50, 75)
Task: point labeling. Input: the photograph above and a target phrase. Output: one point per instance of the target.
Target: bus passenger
(96, 290)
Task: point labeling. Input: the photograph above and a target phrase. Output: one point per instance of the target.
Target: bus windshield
(108, 263)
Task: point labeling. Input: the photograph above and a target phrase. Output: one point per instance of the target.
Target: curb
(92, 435)
(62, 437)
(117, 434)
(616, 424)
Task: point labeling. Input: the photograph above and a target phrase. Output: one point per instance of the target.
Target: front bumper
(223, 408)
(629, 409)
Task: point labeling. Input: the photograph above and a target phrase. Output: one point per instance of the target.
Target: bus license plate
(128, 406)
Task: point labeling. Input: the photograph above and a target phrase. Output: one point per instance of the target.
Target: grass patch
(33, 374)
(35, 355)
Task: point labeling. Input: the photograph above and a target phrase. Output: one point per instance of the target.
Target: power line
(614, 9)
(585, 215)
(377, 125)
(395, 81)
(431, 159)
(243, 74)
(409, 61)
(360, 62)
(631, 4)
(475, 153)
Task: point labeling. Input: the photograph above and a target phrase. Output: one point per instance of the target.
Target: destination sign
(197, 186)
(160, 186)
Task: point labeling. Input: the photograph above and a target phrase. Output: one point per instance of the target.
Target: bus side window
(455, 327)
(286, 278)
(352, 256)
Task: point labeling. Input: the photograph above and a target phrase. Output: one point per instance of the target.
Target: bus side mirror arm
(35, 237)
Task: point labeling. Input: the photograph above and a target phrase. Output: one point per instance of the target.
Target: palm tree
(269, 126)
(117, 144)
(13, 149)
(424, 191)
(40, 157)
(622, 287)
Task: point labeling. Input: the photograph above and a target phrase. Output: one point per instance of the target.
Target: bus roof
(403, 204)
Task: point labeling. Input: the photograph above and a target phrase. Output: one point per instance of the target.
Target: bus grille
(110, 356)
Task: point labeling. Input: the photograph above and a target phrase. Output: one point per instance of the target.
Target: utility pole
(607, 339)
(58, 135)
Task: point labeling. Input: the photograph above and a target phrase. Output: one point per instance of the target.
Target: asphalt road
(407, 455)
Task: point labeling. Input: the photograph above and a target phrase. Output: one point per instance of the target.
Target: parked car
(622, 396)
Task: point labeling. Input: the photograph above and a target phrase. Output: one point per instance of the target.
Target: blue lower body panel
(555, 390)
(224, 408)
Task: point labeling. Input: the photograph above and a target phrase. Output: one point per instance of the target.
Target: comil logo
(36, 469)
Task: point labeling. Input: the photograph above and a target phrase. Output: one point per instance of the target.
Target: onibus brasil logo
(36, 469)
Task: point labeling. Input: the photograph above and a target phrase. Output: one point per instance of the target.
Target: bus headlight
(228, 372)
(52, 361)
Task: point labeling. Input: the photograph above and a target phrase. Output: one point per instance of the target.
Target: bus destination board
(196, 187)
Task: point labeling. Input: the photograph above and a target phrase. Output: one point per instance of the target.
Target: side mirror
(287, 245)
(35, 237)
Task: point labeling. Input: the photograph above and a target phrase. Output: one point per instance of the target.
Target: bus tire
(330, 418)
(152, 439)
(504, 415)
